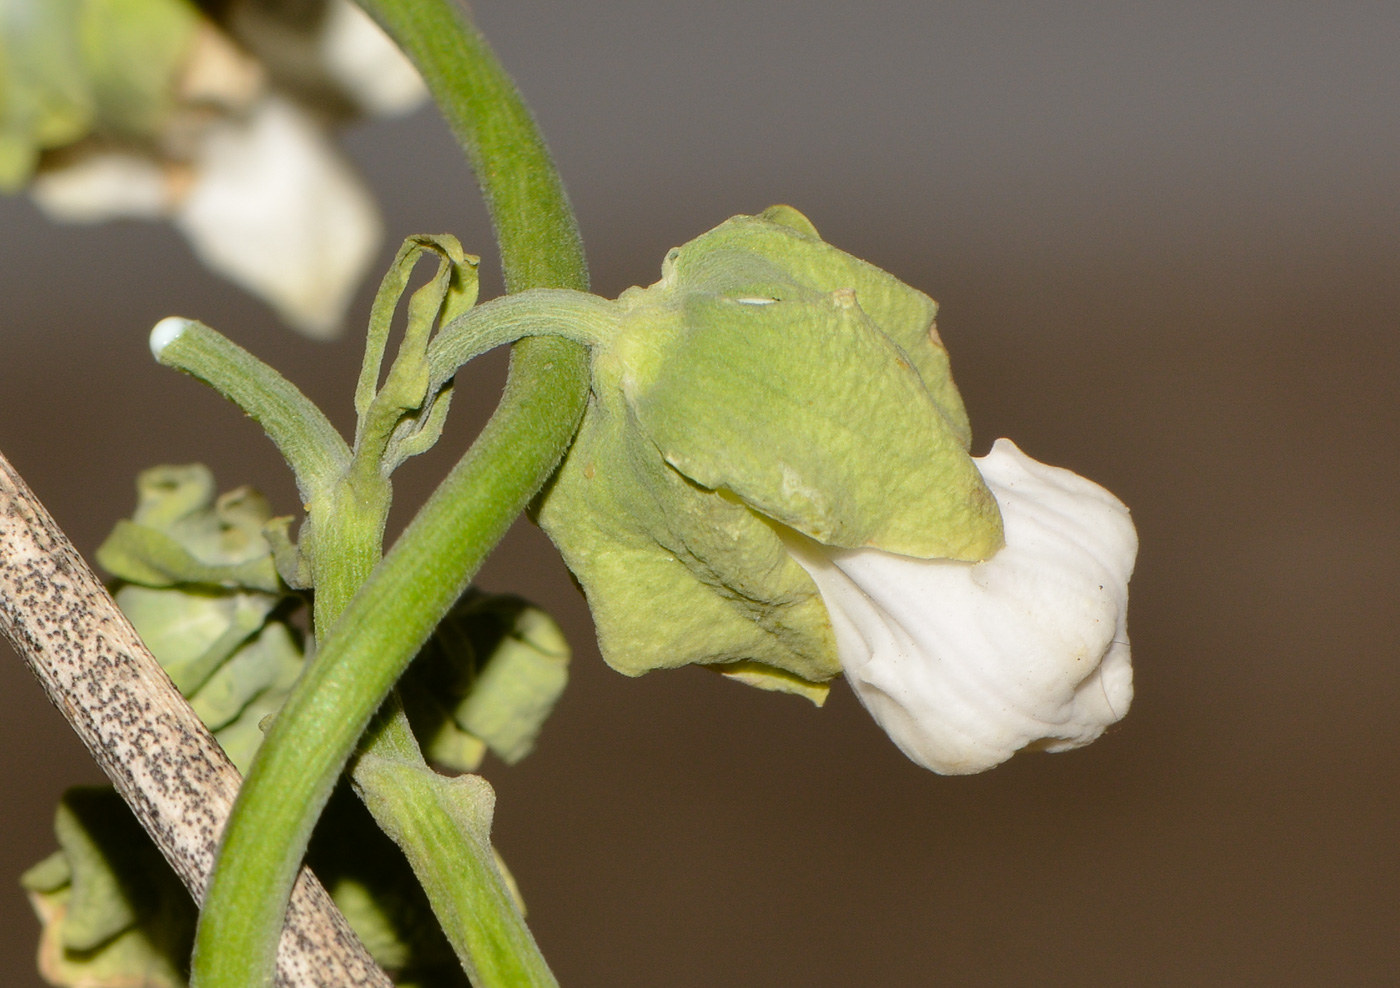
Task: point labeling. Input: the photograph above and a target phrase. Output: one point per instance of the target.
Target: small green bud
(768, 381)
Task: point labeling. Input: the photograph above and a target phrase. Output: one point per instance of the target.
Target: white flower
(274, 207)
(91, 188)
(366, 64)
(964, 664)
(267, 202)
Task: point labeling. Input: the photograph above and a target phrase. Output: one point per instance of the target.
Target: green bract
(768, 381)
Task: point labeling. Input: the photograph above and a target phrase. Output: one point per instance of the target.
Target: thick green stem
(347, 538)
(365, 653)
(535, 226)
(409, 592)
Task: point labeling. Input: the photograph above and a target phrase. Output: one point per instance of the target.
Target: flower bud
(964, 664)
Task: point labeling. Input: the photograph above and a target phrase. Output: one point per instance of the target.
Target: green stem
(558, 312)
(304, 436)
(535, 225)
(409, 592)
(366, 651)
(443, 826)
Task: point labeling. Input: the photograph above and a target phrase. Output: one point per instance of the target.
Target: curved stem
(535, 225)
(558, 312)
(302, 433)
(415, 584)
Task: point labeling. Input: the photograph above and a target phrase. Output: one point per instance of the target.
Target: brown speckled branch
(166, 765)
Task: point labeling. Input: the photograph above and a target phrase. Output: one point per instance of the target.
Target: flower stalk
(386, 622)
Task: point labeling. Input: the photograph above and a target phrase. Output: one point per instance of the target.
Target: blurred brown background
(1165, 241)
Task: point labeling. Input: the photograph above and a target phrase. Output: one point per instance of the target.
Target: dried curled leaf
(114, 915)
(488, 679)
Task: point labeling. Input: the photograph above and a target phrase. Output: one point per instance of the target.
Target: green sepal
(779, 251)
(676, 574)
(767, 381)
(764, 677)
(807, 412)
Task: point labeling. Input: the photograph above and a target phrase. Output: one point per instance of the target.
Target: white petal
(276, 209)
(104, 186)
(360, 56)
(964, 664)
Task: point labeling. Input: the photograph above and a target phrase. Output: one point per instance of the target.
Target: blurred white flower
(360, 57)
(964, 664)
(236, 148)
(90, 188)
(274, 208)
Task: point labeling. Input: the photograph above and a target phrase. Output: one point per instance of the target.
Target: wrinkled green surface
(767, 380)
(114, 914)
(200, 587)
(676, 574)
(496, 669)
(488, 678)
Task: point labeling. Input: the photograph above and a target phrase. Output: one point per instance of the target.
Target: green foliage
(489, 678)
(114, 915)
(199, 583)
(194, 571)
(73, 67)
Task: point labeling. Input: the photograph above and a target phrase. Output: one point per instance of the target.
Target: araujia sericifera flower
(964, 664)
(149, 109)
(771, 390)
